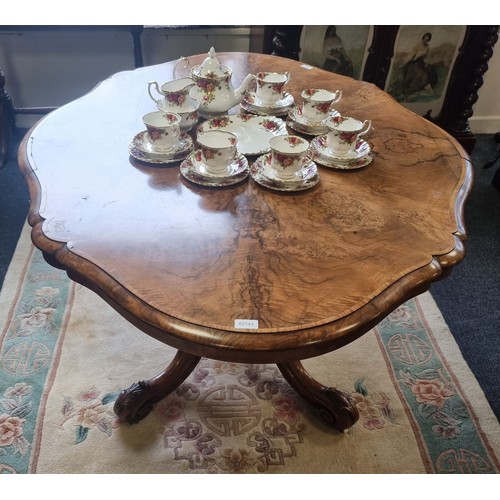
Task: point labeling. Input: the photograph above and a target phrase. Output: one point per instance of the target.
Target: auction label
(246, 323)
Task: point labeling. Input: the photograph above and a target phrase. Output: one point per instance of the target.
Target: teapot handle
(157, 87)
(180, 73)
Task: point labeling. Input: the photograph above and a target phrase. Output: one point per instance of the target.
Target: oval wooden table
(313, 270)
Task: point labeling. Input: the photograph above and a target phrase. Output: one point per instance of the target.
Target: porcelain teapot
(213, 87)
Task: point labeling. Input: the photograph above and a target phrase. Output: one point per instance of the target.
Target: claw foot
(136, 402)
(133, 404)
(337, 410)
(334, 406)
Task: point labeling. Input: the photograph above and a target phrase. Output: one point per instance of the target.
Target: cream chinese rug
(65, 356)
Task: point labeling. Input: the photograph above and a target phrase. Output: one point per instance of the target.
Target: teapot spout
(239, 93)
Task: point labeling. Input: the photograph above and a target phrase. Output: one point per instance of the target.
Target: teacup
(218, 150)
(344, 132)
(287, 155)
(163, 130)
(188, 112)
(270, 85)
(317, 103)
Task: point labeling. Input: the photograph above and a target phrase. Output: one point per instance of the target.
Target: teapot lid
(211, 65)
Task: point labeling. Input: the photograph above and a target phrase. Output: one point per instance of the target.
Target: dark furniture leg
(489, 164)
(136, 402)
(334, 406)
(496, 179)
(6, 117)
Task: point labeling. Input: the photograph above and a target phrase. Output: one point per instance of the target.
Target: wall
(52, 68)
(486, 117)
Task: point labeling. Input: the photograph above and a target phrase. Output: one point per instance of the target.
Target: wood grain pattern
(317, 269)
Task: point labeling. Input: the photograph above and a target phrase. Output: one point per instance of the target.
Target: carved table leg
(136, 402)
(335, 407)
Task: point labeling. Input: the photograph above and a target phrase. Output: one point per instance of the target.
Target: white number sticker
(246, 323)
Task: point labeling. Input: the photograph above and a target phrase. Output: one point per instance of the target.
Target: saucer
(141, 149)
(141, 142)
(301, 124)
(194, 170)
(262, 173)
(253, 104)
(253, 132)
(360, 157)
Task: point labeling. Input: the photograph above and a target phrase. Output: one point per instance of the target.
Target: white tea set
(285, 162)
(209, 84)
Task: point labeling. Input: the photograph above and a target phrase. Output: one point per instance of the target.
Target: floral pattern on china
(317, 103)
(344, 132)
(321, 107)
(253, 132)
(283, 159)
(264, 174)
(286, 160)
(360, 157)
(293, 141)
(210, 153)
(345, 137)
(174, 92)
(267, 123)
(288, 153)
(213, 86)
(194, 170)
(239, 164)
(155, 134)
(176, 98)
(286, 100)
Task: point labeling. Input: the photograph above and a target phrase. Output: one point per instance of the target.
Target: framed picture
(422, 65)
(340, 49)
(436, 71)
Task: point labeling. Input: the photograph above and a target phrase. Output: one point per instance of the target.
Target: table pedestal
(334, 406)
